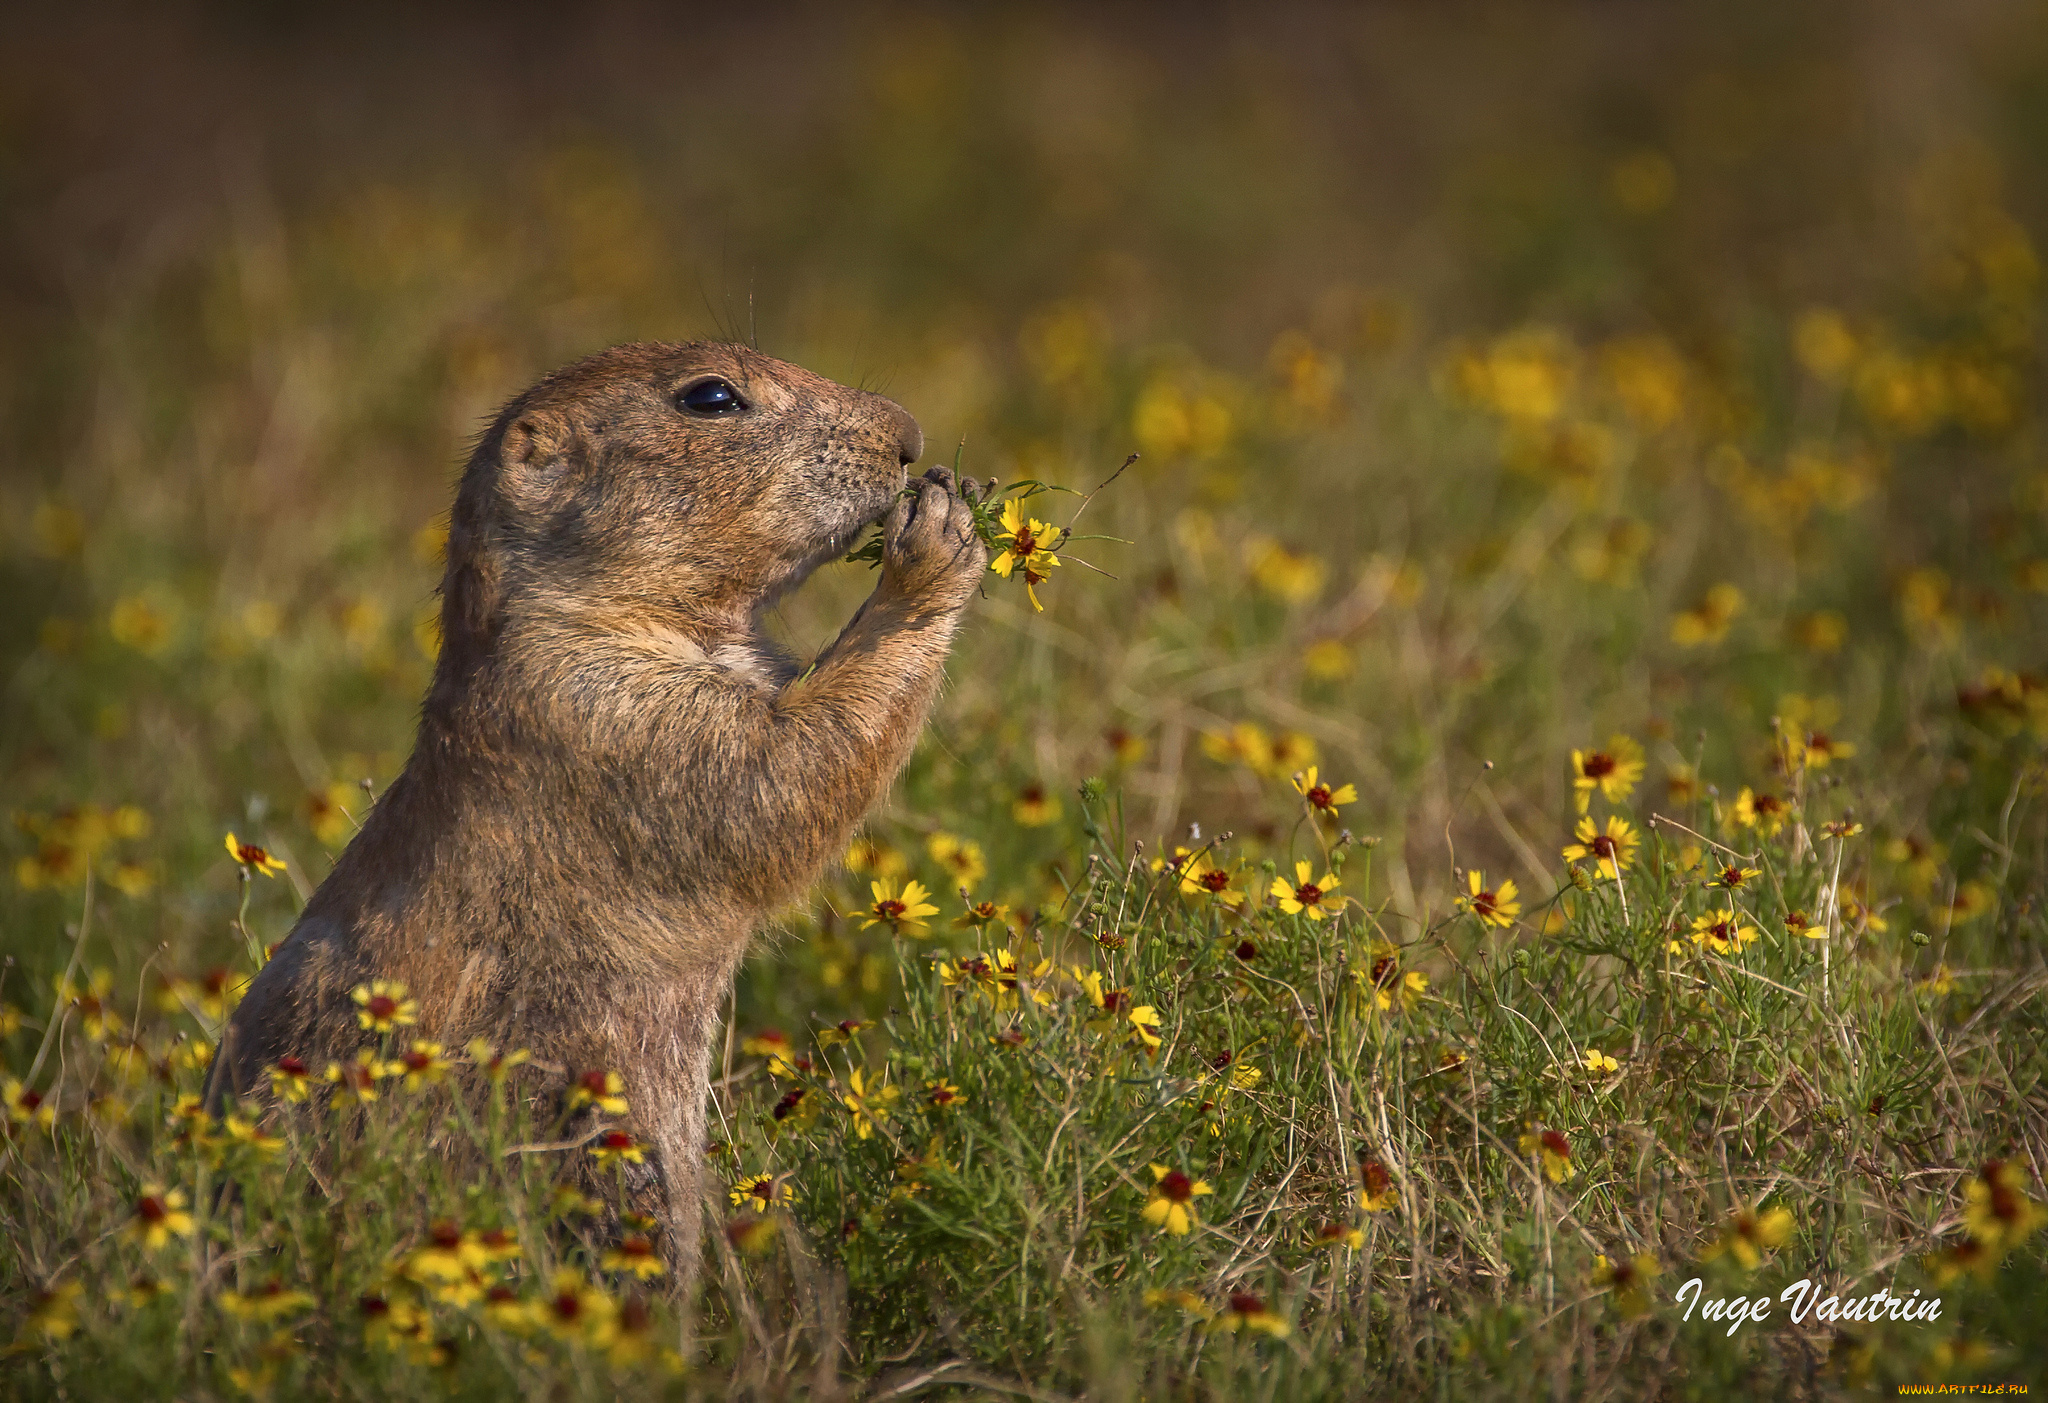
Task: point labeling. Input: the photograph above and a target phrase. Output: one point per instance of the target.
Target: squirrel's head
(701, 477)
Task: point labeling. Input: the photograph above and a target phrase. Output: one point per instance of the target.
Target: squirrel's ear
(534, 455)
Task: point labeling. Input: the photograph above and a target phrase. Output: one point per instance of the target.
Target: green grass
(1654, 460)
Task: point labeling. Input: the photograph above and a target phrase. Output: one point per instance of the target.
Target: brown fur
(617, 777)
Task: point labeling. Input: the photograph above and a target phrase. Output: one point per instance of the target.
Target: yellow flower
(53, 1314)
(773, 1044)
(268, 1303)
(599, 1088)
(383, 1006)
(253, 858)
(1305, 896)
(1035, 806)
(26, 1107)
(751, 1233)
(763, 1192)
(97, 1018)
(981, 914)
(1615, 772)
(958, 856)
(160, 1215)
(1707, 621)
(868, 855)
(1750, 1234)
(423, 1065)
(636, 1255)
(1381, 973)
(495, 1064)
(1125, 748)
(1614, 847)
(1025, 543)
(869, 1106)
(576, 1311)
(1732, 876)
(1818, 749)
(1628, 1282)
(290, 1079)
(903, 912)
(355, 1083)
(1244, 744)
(943, 1095)
(615, 1149)
(327, 813)
(844, 1031)
(1323, 800)
(1599, 1063)
(240, 1130)
(1157, 1297)
(1722, 932)
(1553, 1149)
(1766, 813)
(1493, 906)
(1200, 877)
(1249, 1312)
(1997, 1210)
(1335, 1235)
(1171, 1206)
(1378, 1194)
(1144, 1020)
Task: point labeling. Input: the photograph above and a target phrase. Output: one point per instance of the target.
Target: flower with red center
(1722, 933)
(160, 1215)
(943, 1095)
(753, 1233)
(1494, 906)
(869, 1105)
(903, 912)
(1035, 806)
(252, 858)
(1628, 1282)
(1799, 923)
(423, 1065)
(1732, 876)
(635, 1255)
(495, 1064)
(1323, 800)
(1201, 878)
(1766, 813)
(577, 1311)
(844, 1031)
(1820, 749)
(1382, 977)
(1997, 1210)
(1334, 1235)
(763, 1191)
(1246, 951)
(1248, 1312)
(290, 1079)
(599, 1088)
(1612, 848)
(382, 1005)
(1306, 895)
(1379, 1194)
(981, 914)
(1124, 747)
(616, 1149)
(1144, 1021)
(355, 1083)
(1171, 1207)
(961, 858)
(1615, 772)
(1027, 543)
(1750, 1234)
(1552, 1149)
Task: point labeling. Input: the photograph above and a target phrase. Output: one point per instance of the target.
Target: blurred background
(1507, 376)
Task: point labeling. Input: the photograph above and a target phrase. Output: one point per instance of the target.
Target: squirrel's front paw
(928, 541)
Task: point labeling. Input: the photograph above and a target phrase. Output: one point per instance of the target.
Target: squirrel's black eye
(711, 397)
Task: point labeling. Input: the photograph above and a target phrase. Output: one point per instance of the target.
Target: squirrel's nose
(909, 437)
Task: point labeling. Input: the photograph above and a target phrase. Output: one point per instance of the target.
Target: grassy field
(1541, 802)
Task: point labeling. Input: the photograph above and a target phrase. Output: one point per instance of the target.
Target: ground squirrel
(618, 777)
